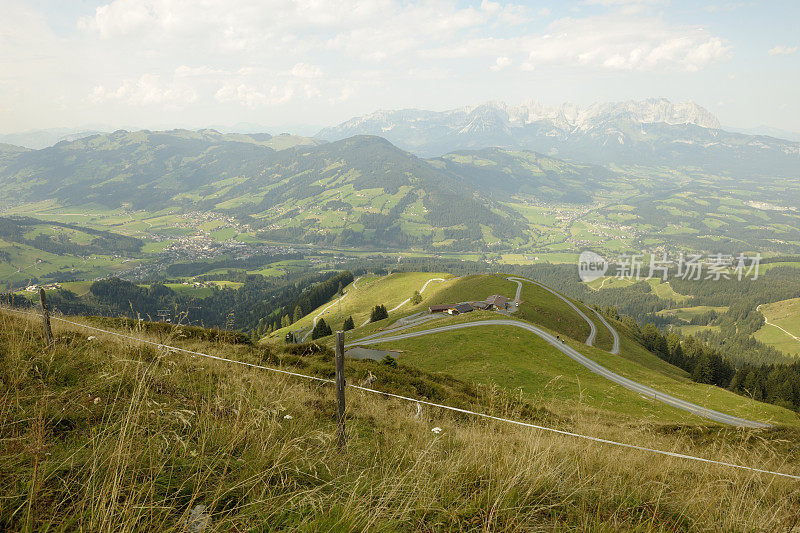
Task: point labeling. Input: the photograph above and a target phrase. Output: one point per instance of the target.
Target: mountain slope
(649, 132)
(515, 359)
(356, 191)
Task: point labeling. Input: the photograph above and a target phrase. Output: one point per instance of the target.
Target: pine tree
(348, 324)
(298, 314)
(321, 329)
(379, 312)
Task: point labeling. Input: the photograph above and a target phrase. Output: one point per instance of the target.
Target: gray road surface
(614, 334)
(592, 328)
(598, 369)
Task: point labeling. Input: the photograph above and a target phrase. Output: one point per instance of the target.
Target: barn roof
(463, 308)
(497, 300)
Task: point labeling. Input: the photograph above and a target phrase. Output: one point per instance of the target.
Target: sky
(304, 64)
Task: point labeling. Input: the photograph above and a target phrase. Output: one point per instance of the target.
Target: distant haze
(162, 64)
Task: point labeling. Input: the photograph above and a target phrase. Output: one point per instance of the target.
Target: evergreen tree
(321, 329)
(298, 313)
(379, 312)
(348, 324)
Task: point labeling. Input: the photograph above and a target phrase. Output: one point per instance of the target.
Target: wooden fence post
(340, 384)
(48, 333)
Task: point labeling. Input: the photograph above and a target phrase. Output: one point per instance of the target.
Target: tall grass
(104, 435)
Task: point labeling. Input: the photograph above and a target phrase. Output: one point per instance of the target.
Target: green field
(783, 328)
(518, 360)
(371, 291)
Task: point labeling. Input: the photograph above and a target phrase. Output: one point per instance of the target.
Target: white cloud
(501, 63)
(625, 43)
(780, 50)
(254, 97)
(148, 89)
(304, 70)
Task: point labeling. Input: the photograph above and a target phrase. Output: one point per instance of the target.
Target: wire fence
(419, 401)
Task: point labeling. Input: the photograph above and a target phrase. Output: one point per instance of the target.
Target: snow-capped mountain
(651, 132)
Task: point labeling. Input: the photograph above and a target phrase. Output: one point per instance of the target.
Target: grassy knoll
(371, 291)
(664, 290)
(541, 307)
(107, 435)
(783, 325)
(515, 359)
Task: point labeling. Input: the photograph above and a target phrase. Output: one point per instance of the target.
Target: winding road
(592, 328)
(615, 347)
(594, 367)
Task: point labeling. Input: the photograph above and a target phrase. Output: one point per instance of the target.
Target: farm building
(461, 308)
(496, 301)
(451, 309)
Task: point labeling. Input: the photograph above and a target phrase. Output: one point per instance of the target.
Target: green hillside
(782, 327)
(110, 434)
(517, 360)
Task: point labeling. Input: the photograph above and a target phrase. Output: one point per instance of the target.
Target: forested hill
(358, 191)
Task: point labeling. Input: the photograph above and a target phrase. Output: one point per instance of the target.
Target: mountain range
(493, 182)
(654, 132)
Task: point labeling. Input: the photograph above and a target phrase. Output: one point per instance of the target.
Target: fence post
(48, 333)
(340, 436)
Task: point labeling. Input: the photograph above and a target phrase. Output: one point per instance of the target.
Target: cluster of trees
(778, 384)
(317, 293)
(321, 329)
(379, 312)
(703, 363)
(773, 383)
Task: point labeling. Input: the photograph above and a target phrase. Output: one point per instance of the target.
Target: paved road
(598, 369)
(404, 302)
(401, 304)
(615, 348)
(592, 328)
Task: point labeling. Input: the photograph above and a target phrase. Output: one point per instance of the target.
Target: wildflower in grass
(287, 417)
(437, 430)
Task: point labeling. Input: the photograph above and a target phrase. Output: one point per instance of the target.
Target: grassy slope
(537, 366)
(101, 435)
(785, 314)
(370, 291)
(512, 358)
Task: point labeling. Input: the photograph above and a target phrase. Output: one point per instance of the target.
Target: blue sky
(198, 63)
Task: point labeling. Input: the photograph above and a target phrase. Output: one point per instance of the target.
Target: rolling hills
(363, 193)
(513, 359)
(106, 433)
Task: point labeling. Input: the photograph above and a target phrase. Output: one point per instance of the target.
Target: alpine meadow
(389, 265)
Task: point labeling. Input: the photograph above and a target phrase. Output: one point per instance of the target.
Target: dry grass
(106, 436)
